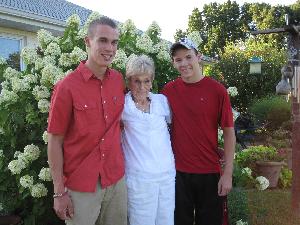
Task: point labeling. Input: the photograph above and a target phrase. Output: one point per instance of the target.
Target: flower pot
(270, 170)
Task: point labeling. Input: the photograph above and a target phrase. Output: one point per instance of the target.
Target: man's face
(186, 61)
(102, 45)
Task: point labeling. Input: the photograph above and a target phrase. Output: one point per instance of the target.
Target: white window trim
(22, 42)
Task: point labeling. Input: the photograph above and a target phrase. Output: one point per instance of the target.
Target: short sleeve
(226, 115)
(61, 108)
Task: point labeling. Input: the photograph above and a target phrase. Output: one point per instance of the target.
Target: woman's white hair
(140, 65)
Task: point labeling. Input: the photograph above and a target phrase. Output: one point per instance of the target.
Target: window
(10, 49)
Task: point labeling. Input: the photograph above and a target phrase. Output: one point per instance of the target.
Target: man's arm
(62, 204)
(225, 183)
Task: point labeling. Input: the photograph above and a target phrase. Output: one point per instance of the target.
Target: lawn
(270, 207)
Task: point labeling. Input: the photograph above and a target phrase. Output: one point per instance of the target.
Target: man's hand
(224, 185)
(63, 207)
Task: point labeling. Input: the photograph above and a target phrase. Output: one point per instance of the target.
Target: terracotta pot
(270, 170)
(10, 220)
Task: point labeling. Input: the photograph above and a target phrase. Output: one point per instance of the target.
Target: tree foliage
(233, 70)
(219, 24)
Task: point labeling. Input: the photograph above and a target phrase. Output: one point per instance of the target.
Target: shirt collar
(88, 74)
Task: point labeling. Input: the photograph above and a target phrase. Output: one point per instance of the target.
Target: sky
(170, 15)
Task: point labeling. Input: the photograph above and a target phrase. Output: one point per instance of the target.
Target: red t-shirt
(86, 111)
(197, 111)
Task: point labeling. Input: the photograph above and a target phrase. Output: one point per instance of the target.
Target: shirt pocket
(85, 115)
(118, 103)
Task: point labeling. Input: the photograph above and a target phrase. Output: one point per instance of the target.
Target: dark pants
(197, 201)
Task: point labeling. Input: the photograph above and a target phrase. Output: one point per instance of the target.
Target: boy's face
(186, 61)
(102, 45)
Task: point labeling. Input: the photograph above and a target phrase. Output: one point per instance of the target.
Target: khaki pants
(104, 207)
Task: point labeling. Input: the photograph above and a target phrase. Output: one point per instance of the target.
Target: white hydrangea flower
(8, 96)
(15, 167)
(5, 85)
(19, 85)
(247, 171)
(2, 61)
(220, 135)
(262, 183)
(39, 64)
(49, 73)
(153, 29)
(44, 37)
(235, 114)
(44, 105)
(120, 59)
(77, 55)
(163, 45)
(241, 222)
(45, 137)
(73, 20)
(38, 190)
(10, 73)
(145, 43)
(40, 92)
(32, 151)
(17, 153)
(232, 91)
(53, 49)
(64, 60)
(45, 174)
(128, 27)
(24, 160)
(26, 181)
(29, 55)
(48, 59)
(31, 78)
(195, 37)
(164, 55)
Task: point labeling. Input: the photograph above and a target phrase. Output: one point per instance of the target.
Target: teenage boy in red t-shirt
(84, 139)
(199, 106)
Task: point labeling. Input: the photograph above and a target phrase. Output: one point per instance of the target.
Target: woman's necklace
(144, 107)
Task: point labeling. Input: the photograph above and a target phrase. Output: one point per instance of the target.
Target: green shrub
(285, 178)
(237, 206)
(272, 111)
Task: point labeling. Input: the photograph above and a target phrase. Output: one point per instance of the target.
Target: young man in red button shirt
(84, 147)
(199, 106)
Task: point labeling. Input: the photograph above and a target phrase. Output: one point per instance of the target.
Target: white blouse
(145, 137)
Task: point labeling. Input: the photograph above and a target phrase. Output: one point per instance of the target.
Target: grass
(270, 207)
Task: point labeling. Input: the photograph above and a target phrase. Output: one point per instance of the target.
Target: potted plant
(263, 160)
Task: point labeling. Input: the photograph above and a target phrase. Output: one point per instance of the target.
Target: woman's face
(140, 85)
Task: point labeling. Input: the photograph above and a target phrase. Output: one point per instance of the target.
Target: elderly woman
(150, 167)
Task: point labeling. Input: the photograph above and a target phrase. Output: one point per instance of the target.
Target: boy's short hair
(103, 20)
(183, 43)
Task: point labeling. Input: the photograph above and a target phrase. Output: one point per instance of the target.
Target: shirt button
(102, 139)
(106, 117)
(101, 86)
(103, 155)
(104, 102)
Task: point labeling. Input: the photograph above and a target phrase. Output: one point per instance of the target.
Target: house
(21, 19)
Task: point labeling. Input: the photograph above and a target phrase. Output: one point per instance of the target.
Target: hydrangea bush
(25, 180)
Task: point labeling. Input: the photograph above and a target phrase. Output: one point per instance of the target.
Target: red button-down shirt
(86, 111)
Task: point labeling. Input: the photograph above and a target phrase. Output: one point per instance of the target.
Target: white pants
(151, 198)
